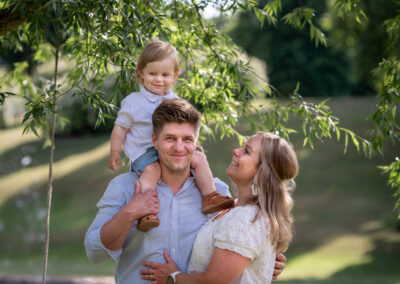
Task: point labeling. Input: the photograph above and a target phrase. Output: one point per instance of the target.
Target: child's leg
(150, 176)
(204, 177)
(148, 181)
(213, 201)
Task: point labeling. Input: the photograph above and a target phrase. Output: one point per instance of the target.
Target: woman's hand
(159, 273)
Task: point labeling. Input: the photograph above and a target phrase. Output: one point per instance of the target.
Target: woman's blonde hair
(278, 166)
(156, 50)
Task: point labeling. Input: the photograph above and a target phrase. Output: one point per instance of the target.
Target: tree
(100, 40)
(290, 55)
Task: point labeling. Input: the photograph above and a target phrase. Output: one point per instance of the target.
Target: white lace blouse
(236, 231)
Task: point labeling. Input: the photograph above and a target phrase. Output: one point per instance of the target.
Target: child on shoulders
(157, 70)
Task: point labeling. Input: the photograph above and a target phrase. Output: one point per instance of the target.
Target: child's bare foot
(215, 202)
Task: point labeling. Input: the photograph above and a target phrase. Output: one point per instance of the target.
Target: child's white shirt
(136, 115)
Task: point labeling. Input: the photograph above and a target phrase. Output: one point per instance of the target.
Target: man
(177, 201)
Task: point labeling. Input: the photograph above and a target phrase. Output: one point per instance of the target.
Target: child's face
(158, 76)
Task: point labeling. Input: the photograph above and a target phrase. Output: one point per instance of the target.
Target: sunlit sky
(210, 12)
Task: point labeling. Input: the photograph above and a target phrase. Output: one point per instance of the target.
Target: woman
(239, 246)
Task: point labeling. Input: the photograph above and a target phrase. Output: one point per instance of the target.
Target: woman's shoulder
(242, 231)
(248, 215)
(246, 211)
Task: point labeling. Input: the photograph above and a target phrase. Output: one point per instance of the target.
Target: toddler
(157, 70)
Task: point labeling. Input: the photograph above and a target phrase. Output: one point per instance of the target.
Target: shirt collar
(188, 184)
(152, 97)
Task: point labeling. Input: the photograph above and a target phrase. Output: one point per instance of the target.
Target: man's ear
(154, 140)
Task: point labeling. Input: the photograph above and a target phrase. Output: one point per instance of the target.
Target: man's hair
(175, 111)
(156, 50)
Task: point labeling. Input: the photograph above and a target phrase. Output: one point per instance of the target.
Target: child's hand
(199, 159)
(113, 159)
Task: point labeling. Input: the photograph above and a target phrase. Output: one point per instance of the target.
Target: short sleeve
(237, 232)
(221, 187)
(125, 114)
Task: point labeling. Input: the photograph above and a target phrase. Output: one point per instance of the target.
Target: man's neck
(174, 180)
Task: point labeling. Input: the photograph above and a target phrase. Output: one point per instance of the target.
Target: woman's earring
(254, 189)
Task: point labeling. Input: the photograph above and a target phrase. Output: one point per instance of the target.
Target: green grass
(345, 230)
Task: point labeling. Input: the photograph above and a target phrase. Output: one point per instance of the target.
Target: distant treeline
(343, 67)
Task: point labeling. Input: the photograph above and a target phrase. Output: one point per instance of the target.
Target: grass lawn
(345, 231)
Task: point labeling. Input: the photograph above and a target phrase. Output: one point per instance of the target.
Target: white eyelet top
(236, 231)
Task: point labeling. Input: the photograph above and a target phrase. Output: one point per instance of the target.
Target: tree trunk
(50, 181)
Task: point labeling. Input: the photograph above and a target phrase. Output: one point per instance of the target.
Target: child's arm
(118, 136)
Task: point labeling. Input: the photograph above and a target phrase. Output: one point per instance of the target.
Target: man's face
(175, 145)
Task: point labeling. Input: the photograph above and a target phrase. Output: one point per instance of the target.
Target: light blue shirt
(180, 220)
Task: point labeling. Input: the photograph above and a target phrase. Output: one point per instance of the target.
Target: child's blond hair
(155, 50)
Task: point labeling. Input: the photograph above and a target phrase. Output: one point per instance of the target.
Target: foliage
(358, 29)
(382, 20)
(290, 55)
(393, 170)
(101, 41)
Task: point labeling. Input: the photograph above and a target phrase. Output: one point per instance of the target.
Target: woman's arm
(225, 267)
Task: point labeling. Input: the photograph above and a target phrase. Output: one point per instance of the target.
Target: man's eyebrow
(169, 134)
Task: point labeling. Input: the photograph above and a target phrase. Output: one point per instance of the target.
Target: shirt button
(173, 224)
(173, 250)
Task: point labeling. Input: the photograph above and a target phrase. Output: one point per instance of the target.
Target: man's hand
(113, 233)
(114, 158)
(142, 203)
(280, 263)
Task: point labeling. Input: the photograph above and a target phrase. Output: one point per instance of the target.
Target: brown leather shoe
(215, 202)
(148, 222)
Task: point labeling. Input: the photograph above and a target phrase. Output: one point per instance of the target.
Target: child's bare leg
(213, 201)
(150, 176)
(204, 177)
(148, 181)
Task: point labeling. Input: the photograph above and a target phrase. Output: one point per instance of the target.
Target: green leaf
(355, 142)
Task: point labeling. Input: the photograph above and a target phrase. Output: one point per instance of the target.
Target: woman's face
(245, 162)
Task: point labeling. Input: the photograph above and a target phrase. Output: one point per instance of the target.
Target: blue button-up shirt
(180, 220)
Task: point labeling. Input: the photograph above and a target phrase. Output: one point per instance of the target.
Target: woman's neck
(244, 195)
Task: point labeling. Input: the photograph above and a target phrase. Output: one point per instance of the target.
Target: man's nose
(236, 151)
(178, 145)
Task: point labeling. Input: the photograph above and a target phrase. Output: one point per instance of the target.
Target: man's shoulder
(221, 187)
(123, 181)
